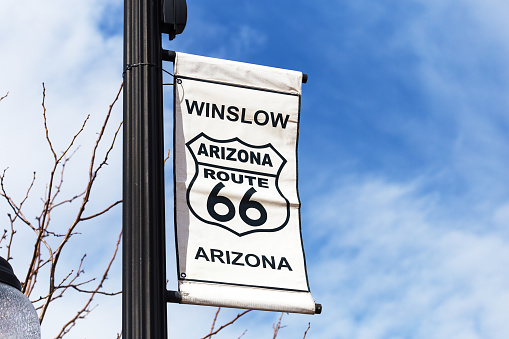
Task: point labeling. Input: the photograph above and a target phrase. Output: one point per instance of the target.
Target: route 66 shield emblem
(236, 185)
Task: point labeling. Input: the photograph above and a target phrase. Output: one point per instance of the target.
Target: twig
(74, 139)
(46, 121)
(58, 159)
(59, 185)
(5, 96)
(16, 209)
(78, 273)
(278, 326)
(17, 214)
(102, 212)
(85, 310)
(9, 245)
(214, 321)
(101, 133)
(67, 201)
(41, 225)
(225, 325)
(104, 162)
(4, 236)
(307, 329)
(45, 215)
(95, 292)
(167, 157)
(92, 176)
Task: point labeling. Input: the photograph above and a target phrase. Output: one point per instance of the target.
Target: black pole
(144, 271)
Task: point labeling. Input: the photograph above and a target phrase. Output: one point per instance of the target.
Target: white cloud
(391, 267)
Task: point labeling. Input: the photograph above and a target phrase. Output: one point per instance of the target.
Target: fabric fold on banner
(237, 209)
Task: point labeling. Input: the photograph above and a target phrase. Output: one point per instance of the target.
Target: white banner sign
(235, 172)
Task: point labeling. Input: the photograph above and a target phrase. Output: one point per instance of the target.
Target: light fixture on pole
(174, 17)
(18, 318)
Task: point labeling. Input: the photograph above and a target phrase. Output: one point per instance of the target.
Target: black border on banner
(245, 285)
(237, 85)
(183, 279)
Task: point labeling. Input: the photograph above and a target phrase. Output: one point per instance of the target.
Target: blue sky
(403, 152)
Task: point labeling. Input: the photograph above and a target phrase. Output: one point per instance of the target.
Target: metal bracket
(173, 297)
(170, 56)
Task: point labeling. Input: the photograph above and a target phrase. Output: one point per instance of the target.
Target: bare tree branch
(307, 329)
(167, 157)
(16, 209)
(85, 310)
(5, 96)
(48, 256)
(102, 212)
(278, 326)
(85, 199)
(13, 231)
(214, 321)
(67, 201)
(59, 185)
(94, 292)
(104, 162)
(4, 236)
(45, 120)
(227, 324)
(45, 215)
(79, 271)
